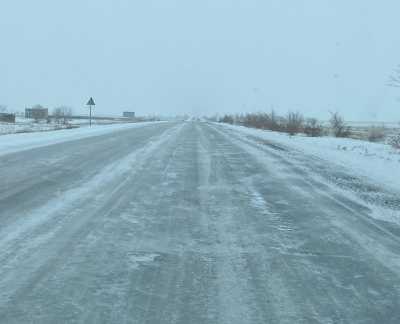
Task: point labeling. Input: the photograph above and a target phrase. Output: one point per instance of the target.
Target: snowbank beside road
(378, 162)
(19, 142)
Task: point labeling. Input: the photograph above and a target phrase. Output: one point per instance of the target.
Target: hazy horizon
(174, 57)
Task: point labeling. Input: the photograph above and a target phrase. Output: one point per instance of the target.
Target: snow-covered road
(192, 223)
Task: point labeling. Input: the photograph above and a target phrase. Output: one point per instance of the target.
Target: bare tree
(338, 125)
(62, 114)
(3, 108)
(313, 128)
(57, 114)
(274, 121)
(294, 123)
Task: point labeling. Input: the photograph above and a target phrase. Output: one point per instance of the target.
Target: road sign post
(91, 104)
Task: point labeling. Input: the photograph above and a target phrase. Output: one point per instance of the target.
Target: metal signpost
(90, 104)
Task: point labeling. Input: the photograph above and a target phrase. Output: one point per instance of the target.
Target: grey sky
(205, 56)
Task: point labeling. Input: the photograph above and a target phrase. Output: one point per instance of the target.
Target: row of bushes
(293, 123)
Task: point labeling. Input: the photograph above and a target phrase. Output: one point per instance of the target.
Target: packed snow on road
(195, 222)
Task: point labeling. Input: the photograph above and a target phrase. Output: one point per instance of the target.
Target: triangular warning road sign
(91, 102)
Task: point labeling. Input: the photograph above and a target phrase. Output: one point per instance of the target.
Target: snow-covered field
(24, 125)
(24, 141)
(28, 126)
(376, 161)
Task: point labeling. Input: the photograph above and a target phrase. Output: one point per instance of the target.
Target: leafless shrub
(261, 120)
(394, 141)
(294, 123)
(338, 125)
(274, 122)
(228, 119)
(256, 120)
(313, 128)
(376, 134)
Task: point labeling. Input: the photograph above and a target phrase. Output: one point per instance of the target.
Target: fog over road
(187, 223)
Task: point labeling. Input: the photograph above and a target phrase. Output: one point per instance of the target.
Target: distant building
(36, 113)
(7, 118)
(128, 114)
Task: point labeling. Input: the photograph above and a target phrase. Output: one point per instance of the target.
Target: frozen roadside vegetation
(24, 141)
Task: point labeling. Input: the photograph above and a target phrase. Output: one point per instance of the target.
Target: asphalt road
(188, 223)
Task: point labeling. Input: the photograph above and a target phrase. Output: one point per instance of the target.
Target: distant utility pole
(90, 104)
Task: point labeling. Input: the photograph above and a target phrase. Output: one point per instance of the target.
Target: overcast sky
(204, 56)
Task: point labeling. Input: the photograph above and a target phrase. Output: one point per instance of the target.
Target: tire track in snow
(350, 235)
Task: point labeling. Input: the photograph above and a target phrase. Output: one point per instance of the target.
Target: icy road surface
(190, 223)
